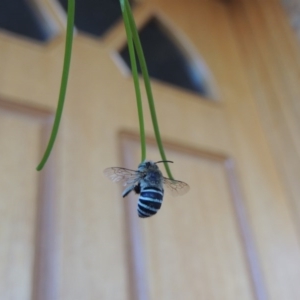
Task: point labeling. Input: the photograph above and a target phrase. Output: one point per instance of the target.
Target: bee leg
(127, 191)
(137, 188)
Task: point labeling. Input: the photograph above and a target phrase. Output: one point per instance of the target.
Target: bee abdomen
(149, 202)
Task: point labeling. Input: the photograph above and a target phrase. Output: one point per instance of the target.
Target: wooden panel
(269, 64)
(28, 241)
(266, 198)
(197, 242)
(271, 58)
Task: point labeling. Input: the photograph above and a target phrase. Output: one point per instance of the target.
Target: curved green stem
(64, 82)
(142, 61)
(136, 80)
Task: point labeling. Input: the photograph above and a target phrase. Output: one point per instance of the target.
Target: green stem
(135, 79)
(144, 69)
(64, 82)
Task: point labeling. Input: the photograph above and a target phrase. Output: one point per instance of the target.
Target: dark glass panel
(165, 60)
(20, 17)
(95, 16)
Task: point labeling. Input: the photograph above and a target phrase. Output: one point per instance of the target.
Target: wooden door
(66, 233)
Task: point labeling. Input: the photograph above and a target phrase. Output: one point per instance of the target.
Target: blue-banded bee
(149, 182)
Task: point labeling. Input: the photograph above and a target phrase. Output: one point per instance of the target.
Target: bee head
(146, 165)
(149, 164)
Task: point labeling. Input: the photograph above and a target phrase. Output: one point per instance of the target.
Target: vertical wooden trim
(47, 264)
(138, 281)
(246, 234)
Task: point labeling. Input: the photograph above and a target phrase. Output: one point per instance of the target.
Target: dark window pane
(165, 60)
(20, 17)
(95, 16)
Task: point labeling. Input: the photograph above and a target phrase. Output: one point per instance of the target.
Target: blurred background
(225, 78)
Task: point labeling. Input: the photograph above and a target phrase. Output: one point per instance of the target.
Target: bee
(149, 183)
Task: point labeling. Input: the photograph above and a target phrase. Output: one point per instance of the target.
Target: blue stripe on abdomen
(153, 193)
(149, 202)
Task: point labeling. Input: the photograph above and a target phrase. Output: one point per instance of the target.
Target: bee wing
(176, 187)
(124, 175)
